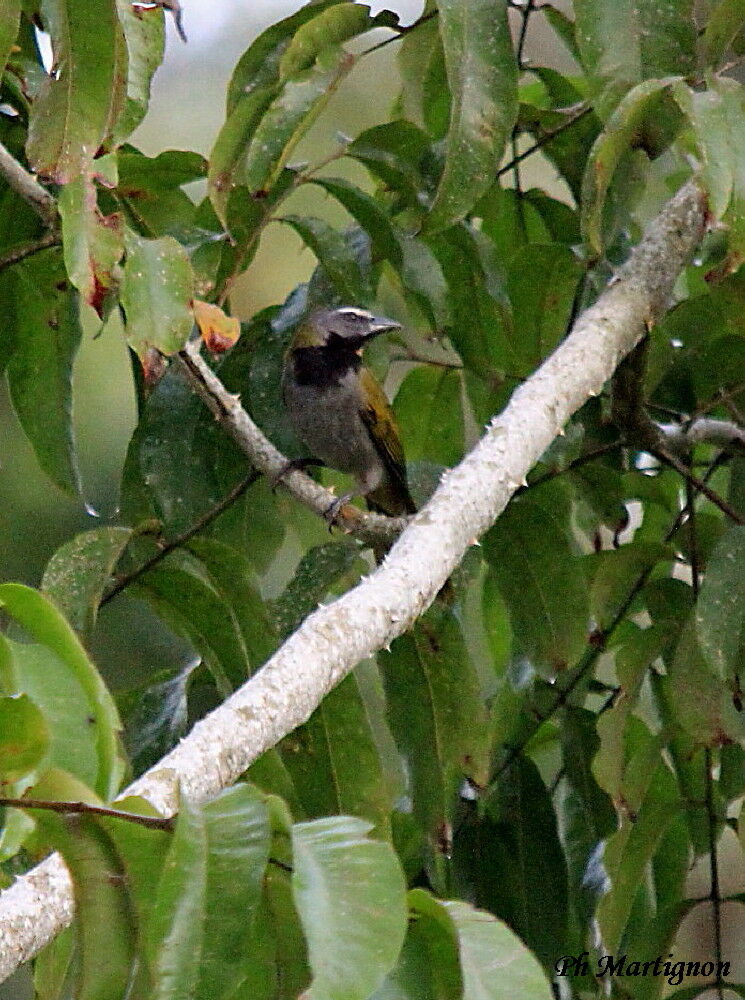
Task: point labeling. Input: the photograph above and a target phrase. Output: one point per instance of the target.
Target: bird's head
(346, 328)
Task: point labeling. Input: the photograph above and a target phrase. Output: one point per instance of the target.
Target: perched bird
(339, 410)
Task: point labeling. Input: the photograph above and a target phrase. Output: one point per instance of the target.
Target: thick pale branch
(332, 640)
(27, 186)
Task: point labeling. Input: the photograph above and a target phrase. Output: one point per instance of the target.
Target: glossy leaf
(44, 623)
(105, 924)
(631, 125)
(238, 847)
(400, 155)
(77, 574)
(334, 762)
(46, 333)
(10, 16)
(430, 411)
(542, 581)
(175, 932)
(720, 611)
(369, 213)
(156, 294)
(350, 895)
(259, 64)
(482, 76)
(144, 33)
(624, 43)
(436, 714)
(334, 255)
(24, 737)
(77, 107)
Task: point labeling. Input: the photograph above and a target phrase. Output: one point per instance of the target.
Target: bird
(339, 410)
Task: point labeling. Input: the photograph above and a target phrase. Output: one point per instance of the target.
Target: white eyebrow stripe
(356, 313)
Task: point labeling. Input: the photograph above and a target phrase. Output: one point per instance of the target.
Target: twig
(715, 894)
(23, 250)
(85, 808)
(180, 540)
(27, 186)
(576, 463)
(262, 454)
(665, 456)
(585, 109)
(401, 33)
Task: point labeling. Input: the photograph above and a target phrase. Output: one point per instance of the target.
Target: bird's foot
(333, 510)
(294, 465)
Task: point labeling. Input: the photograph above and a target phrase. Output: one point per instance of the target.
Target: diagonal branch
(27, 186)
(333, 639)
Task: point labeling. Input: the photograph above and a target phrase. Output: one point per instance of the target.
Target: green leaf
(174, 937)
(495, 964)
(541, 285)
(318, 570)
(350, 895)
(334, 762)
(259, 64)
(543, 583)
(482, 76)
(565, 29)
(10, 18)
(369, 213)
(290, 115)
(102, 903)
(720, 610)
(41, 619)
(92, 243)
(436, 714)
(422, 278)
(400, 155)
(329, 28)
(335, 256)
(24, 737)
(156, 294)
(78, 572)
(633, 124)
(46, 330)
(429, 408)
(149, 190)
(614, 573)
(509, 860)
(144, 33)
(722, 27)
(624, 42)
(77, 107)
(238, 848)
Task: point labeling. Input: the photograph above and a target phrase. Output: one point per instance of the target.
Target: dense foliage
(532, 771)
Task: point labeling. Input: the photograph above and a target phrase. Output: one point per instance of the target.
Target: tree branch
(332, 640)
(24, 250)
(262, 454)
(27, 186)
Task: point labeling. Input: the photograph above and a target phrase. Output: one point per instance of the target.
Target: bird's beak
(382, 325)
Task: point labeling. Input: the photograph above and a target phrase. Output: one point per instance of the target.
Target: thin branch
(576, 463)
(27, 186)
(179, 541)
(85, 808)
(585, 109)
(266, 458)
(24, 250)
(715, 894)
(704, 430)
(665, 456)
(382, 606)
(401, 33)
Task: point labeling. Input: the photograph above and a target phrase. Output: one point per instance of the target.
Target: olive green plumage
(339, 410)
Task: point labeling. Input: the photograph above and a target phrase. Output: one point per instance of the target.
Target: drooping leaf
(144, 33)
(156, 294)
(541, 579)
(482, 76)
(633, 124)
(722, 27)
(44, 623)
(720, 610)
(24, 737)
(350, 894)
(149, 192)
(10, 18)
(92, 242)
(436, 714)
(46, 333)
(430, 411)
(400, 155)
(77, 574)
(78, 106)
(335, 256)
(623, 44)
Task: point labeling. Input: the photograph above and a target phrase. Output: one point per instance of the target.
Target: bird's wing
(378, 417)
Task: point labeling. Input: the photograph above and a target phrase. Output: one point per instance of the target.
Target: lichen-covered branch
(333, 639)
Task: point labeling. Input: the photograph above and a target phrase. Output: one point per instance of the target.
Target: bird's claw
(331, 514)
